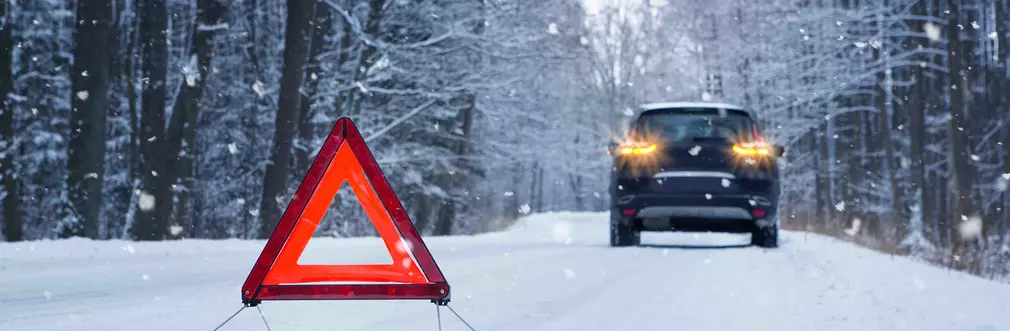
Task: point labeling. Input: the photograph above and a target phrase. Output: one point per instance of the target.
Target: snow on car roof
(666, 105)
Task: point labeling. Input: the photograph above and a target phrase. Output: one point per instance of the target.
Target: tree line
(196, 118)
(153, 120)
(895, 112)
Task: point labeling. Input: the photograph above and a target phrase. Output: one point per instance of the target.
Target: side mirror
(778, 150)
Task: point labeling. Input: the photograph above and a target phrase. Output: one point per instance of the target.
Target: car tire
(767, 237)
(623, 235)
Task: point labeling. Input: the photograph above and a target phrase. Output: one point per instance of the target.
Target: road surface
(550, 272)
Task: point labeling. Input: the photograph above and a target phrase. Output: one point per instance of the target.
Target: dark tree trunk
(897, 218)
(152, 217)
(367, 55)
(1003, 102)
(89, 100)
(181, 134)
(296, 51)
(917, 123)
(342, 77)
(959, 127)
(10, 192)
(322, 25)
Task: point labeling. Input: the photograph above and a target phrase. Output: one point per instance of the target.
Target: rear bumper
(733, 213)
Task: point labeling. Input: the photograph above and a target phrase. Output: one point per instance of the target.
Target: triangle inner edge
(346, 167)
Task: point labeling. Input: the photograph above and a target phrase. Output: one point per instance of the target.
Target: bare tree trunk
(89, 100)
(152, 217)
(959, 127)
(897, 217)
(342, 56)
(367, 55)
(916, 109)
(10, 191)
(129, 68)
(1002, 105)
(182, 128)
(821, 203)
(450, 210)
(296, 54)
(322, 25)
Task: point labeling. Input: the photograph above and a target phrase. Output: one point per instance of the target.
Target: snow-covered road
(551, 272)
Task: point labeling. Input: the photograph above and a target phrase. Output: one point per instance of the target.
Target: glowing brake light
(751, 149)
(638, 149)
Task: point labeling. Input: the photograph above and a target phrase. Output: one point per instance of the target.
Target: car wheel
(766, 237)
(622, 235)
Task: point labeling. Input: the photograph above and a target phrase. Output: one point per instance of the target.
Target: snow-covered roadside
(548, 272)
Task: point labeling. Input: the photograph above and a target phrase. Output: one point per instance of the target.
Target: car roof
(681, 104)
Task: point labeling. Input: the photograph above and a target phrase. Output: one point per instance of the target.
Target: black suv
(694, 167)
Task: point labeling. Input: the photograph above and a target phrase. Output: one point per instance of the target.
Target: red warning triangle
(413, 275)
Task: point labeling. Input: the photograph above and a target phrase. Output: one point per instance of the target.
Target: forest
(161, 120)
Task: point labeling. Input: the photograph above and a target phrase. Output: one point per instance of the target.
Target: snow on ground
(550, 272)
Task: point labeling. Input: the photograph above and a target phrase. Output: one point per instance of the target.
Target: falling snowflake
(175, 229)
(232, 148)
(840, 206)
(525, 208)
(708, 196)
(725, 182)
(552, 28)
(146, 201)
(509, 193)
(569, 273)
(83, 95)
(259, 88)
(695, 150)
(932, 31)
(145, 277)
(403, 246)
(971, 227)
(856, 224)
(994, 35)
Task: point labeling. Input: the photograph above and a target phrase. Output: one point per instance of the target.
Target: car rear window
(689, 124)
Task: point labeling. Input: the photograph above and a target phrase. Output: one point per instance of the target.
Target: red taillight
(759, 213)
(628, 212)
